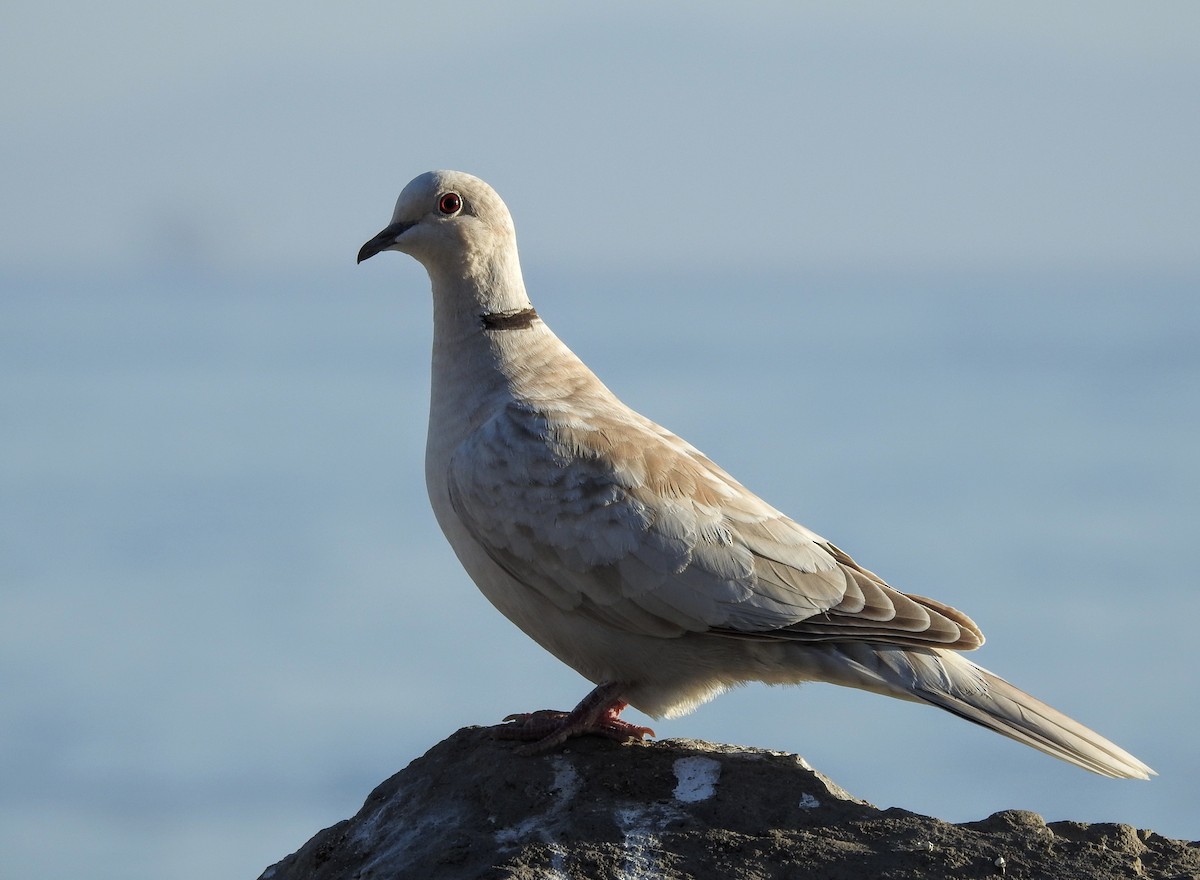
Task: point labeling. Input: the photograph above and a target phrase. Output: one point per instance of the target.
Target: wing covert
(626, 523)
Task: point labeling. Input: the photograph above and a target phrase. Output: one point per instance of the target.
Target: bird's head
(446, 220)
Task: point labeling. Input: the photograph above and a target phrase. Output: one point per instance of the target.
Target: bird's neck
(472, 358)
(471, 298)
(480, 281)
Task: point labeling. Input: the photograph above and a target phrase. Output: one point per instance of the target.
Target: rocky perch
(677, 809)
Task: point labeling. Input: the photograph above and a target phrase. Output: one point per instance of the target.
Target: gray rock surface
(677, 809)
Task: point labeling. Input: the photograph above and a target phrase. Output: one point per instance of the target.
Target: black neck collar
(517, 319)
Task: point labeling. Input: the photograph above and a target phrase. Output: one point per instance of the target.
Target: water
(227, 613)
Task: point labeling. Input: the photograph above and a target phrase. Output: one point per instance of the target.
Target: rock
(679, 809)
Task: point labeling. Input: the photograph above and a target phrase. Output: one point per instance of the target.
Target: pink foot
(596, 714)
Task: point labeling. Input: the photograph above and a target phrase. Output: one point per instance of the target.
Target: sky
(961, 243)
(251, 135)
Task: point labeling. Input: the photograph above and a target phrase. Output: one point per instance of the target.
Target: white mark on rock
(557, 869)
(564, 788)
(697, 777)
(566, 782)
(808, 802)
(641, 826)
(390, 842)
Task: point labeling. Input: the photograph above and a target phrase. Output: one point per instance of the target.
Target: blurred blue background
(924, 275)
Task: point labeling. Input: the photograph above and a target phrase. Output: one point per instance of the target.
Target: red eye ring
(450, 203)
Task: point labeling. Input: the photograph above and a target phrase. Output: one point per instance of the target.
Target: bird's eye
(450, 203)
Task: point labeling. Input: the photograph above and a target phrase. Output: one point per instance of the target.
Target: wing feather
(615, 517)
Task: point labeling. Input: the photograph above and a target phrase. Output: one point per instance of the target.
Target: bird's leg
(597, 714)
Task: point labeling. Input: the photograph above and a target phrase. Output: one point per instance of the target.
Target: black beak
(382, 241)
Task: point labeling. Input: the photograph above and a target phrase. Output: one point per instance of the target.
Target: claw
(547, 728)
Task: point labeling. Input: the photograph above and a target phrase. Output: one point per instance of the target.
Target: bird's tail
(949, 681)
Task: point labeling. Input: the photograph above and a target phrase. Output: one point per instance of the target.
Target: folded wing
(614, 517)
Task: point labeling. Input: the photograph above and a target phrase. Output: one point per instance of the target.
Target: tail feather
(951, 682)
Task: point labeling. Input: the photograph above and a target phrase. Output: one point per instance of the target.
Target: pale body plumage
(625, 552)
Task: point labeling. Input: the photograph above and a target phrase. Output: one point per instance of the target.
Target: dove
(629, 555)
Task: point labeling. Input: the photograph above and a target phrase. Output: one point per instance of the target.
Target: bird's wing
(612, 516)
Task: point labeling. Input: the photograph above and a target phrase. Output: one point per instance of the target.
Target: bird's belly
(662, 676)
